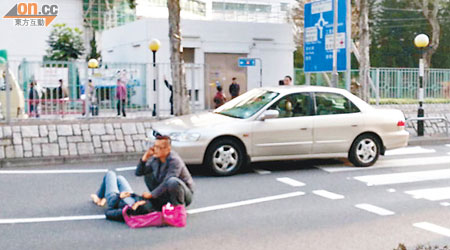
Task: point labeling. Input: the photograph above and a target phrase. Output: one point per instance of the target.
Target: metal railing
(94, 90)
(393, 85)
(440, 119)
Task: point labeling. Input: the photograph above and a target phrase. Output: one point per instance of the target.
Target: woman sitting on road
(116, 192)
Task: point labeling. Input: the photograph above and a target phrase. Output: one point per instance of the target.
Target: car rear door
(336, 124)
(289, 134)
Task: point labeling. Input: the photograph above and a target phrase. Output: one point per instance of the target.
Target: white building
(213, 46)
(215, 34)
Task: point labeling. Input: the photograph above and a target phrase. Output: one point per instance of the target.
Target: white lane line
(246, 202)
(431, 194)
(191, 211)
(51, 219)
(126, 169)
(374, 209)
(327, 194)
(437, 160)
(448, 145)
(262, 171)
(408, 177)
(409, 151)
(292, 182)
(433, 228)
(65, 171)
(445, 204)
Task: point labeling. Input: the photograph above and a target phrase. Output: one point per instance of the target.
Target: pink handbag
(146, 220)
(174, 216)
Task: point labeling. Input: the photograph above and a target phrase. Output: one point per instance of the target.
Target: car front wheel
(225, 157)
(365, 151)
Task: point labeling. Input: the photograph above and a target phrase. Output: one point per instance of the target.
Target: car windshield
(246, 105)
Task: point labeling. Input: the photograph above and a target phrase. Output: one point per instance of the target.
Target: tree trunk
(364, 49)
(432, 18)
(180, 94)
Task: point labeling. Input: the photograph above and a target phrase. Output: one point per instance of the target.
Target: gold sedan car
(285, 123)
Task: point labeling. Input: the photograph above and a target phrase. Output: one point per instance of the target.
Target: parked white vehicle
(285, 123)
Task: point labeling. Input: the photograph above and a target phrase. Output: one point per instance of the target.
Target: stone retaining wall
(76, 139)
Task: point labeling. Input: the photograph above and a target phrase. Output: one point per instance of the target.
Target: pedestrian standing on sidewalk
(33, 100)
(121, 96)
(287, 80)
(234, 88)
(219, 98)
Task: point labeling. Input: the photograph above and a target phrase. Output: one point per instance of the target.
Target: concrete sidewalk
(435, 139)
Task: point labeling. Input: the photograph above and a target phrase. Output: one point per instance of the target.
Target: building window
(231, 7)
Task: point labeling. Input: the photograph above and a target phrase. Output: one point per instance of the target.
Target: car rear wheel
(225, 157)
(365, 150)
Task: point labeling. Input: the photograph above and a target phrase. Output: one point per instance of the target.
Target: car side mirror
(269, 114)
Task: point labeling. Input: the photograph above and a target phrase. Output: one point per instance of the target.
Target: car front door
(336, 124)
(288, 134)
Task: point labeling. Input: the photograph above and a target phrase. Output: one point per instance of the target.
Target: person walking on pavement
(234, 88)
(219, 98)
(170, 87)
(116, 193)
(121, 96)
(165, 175)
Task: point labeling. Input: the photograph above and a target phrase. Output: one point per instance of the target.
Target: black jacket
(157, 174)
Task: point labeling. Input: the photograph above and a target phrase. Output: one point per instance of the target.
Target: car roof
(304, 88)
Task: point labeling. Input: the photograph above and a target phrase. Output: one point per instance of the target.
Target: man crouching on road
(165, 175)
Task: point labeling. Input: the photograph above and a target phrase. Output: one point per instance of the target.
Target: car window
(247, 104)
(293, 105)
(331, 104)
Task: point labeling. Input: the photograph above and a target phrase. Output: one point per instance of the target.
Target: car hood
(193, 121)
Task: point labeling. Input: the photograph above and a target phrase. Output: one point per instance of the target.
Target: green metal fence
(390, 84)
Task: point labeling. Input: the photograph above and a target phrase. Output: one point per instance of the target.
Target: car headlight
(184, 136)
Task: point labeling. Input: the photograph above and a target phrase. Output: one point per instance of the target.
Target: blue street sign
(246, 62)
(318, 36)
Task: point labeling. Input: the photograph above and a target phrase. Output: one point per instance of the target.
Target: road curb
(428, 140)
(50, 161)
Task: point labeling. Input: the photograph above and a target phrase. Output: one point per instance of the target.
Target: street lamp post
(421, 41)
(154, 47)
(92, 64)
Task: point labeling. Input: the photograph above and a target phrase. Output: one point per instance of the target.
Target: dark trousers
(121, 106)
(34, 110)
(177, 193)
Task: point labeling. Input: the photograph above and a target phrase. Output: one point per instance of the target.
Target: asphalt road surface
(321, 204)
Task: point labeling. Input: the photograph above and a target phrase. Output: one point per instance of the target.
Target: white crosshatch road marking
(392, 163)
(327, 194)
(433, 228)
(262, 171)
(374, 209)
(431, 194)
(291, 182)
(408, 177)
(409, 151)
